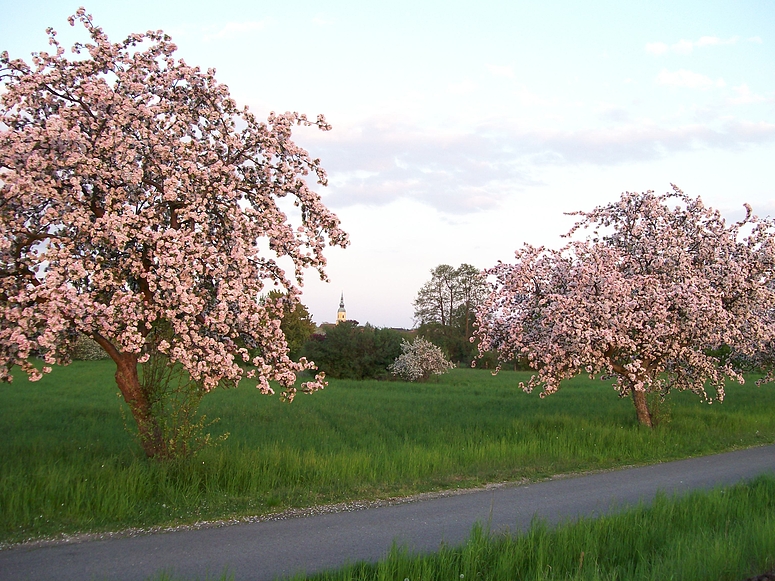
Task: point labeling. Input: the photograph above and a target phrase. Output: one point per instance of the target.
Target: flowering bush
(419, 360)
(87, 349)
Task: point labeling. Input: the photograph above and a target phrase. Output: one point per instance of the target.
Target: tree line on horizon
(444, 314)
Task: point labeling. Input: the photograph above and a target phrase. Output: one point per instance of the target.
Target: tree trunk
(642, 408)
(129, 383)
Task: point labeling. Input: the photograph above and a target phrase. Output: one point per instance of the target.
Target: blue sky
(464, 129)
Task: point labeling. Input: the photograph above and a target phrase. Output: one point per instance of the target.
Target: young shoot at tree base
(663, 294)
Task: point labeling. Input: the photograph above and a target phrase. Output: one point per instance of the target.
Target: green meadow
(69, 465)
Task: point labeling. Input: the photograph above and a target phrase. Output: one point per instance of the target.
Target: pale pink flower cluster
(419, 360)
(646, 298)
(134, 193)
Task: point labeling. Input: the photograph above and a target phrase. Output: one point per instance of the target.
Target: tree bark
(642, 408)
(128, 382)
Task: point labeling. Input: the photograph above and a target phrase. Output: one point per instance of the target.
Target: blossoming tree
(420, 359)
(137, 197)
(649, 297)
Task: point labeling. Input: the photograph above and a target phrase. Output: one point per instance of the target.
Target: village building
(341, 314)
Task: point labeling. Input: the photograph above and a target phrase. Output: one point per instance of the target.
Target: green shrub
(350, 351)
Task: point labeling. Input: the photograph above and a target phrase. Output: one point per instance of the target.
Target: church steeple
(341, 314)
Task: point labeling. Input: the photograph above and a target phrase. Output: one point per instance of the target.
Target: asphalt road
(270, 549)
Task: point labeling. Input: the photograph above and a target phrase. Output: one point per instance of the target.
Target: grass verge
(724, 535)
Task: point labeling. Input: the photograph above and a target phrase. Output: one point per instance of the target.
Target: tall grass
(69, 465)
(723, 535)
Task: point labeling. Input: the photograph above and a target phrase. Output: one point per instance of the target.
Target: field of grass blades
(69, 465)
(722, 535)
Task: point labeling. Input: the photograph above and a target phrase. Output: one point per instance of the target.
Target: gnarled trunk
(642, 408)
(128, 382)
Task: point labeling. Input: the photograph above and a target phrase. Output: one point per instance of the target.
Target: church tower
(341, 314)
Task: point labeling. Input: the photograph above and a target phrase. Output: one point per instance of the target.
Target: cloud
(657, 48)
(683, 47)
(687, 46)
(744, 133)
(615, 114)
(527, 98)
(465, 172)
(745, 96)
(644, 142)
(457, 173)
(231, 29)
(688, 79)
(463, 87)
(714, 41)
(501, 71)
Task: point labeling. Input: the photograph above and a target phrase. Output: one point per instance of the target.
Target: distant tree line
(445, 309)
(348, 350)
(444, 312)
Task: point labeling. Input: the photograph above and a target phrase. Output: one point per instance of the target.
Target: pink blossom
(135, 193)
(651, 297)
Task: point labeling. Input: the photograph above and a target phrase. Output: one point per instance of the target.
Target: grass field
(723, 535)
(68, 464)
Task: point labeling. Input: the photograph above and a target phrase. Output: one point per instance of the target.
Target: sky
(463, 130)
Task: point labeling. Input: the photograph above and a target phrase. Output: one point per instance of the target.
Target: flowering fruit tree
(141, 207)
(420, 359)
(661, 298)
